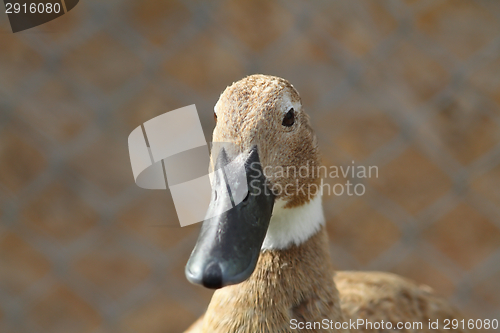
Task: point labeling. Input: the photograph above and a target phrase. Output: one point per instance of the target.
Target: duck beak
(232, 233)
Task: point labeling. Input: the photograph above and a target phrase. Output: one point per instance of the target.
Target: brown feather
(376, 296)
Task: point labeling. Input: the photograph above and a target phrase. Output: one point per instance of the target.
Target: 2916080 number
(471, 324)
(33, 8)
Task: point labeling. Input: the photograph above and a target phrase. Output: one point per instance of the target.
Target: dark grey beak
(229, 243)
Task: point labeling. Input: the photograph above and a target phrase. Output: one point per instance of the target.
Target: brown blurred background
(412, 87)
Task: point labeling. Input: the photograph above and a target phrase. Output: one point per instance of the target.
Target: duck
(267, 257)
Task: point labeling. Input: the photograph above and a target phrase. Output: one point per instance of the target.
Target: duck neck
(289, 286)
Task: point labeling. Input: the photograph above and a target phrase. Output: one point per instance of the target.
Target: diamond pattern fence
(411, 87)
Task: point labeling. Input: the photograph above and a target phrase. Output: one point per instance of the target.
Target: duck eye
(289, 118)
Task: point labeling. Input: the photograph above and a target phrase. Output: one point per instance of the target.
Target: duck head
(271, 139)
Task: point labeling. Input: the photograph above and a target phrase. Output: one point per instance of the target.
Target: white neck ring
(295, 225)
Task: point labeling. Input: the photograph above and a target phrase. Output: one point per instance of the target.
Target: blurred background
(412, 87)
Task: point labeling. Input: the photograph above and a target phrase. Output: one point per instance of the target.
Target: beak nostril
(215, 195)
